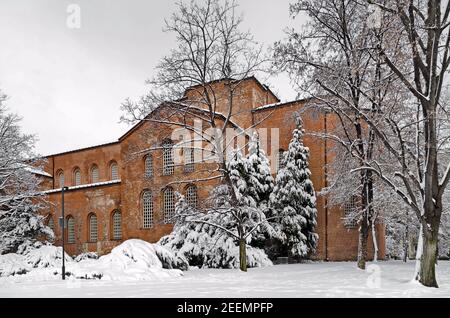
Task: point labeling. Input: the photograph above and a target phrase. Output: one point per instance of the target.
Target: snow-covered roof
(35, 170)
(82, 149)
(82, 186)
(274, 105)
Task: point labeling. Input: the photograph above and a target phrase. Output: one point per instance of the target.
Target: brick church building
(114, 195)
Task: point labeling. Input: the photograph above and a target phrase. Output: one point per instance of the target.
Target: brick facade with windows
(110, 185)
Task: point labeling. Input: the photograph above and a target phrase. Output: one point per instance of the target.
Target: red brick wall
(335, 241)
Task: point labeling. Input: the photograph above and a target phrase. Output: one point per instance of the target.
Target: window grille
(147, 207)
(94, 174)
(93, 229)
(169, 205)
(117, 225)
(114, 171)
(70, 230)
(191, 196)
(148, 166)
(168, 164)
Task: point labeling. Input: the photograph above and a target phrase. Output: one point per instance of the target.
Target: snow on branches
(20, 223)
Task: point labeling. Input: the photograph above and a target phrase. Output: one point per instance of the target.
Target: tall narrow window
(147, 207)
(70, 230)
(169, 205)
(94, 174)
(148, 166)
(114, 171)
(350, 213)
(280, 155)
(188, 159)
(191, 195)
(117, 225)
(61, 179)
(77, 177)
(168, 164)
(51, 223)
(93, 229)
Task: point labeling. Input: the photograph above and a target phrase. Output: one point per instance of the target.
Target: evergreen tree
(293, 199)
(259, 171)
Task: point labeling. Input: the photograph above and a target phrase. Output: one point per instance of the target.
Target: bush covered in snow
(205, 245)
(131, 260)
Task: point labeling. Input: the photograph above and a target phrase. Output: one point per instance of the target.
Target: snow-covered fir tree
(294, 201)
(259, 170)
(201, 238)
(20, 223)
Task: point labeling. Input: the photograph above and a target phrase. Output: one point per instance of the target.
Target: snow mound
(12, 264)
(132, 260)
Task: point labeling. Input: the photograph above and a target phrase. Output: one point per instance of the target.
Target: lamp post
(63, 270)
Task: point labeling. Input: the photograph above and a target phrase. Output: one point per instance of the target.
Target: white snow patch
(130, 261)
(315, 279)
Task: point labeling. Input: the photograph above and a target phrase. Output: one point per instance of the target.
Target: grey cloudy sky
(68, 84)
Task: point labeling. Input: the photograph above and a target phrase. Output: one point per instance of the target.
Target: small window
(117, 225)
(280, 155)
(70, 230)
(148, 166)
(93, 228)
(191, 196)
(168, 164)
(51, 223)
(77, 177)
(147, 207)
(169, 205)
(94, 174)
(114, 171)
(61, 179)
(350, 213)
(188, 159)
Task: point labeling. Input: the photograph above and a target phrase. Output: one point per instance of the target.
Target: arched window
(61, 178)
(94, 174)
(188, 159)
(191, 195)
(117, 225)
(70, 229)
(148, 166)
(168, 164)
(114, 167)
(280, 155)
(93, 228)
(77, 177)
(147, 209)
(51, 223)
(169, 205)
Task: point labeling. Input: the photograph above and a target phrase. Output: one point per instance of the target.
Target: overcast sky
(68, 84)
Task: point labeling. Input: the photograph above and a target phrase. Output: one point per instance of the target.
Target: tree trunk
(375, 243)
(242, 255)
(428, 260)
(406, 244)
(362, 244)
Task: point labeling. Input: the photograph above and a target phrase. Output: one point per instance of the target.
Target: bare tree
(330, 57)
(409, 42)
(211, 50)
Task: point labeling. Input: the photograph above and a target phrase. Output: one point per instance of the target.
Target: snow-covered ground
(383, 279)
